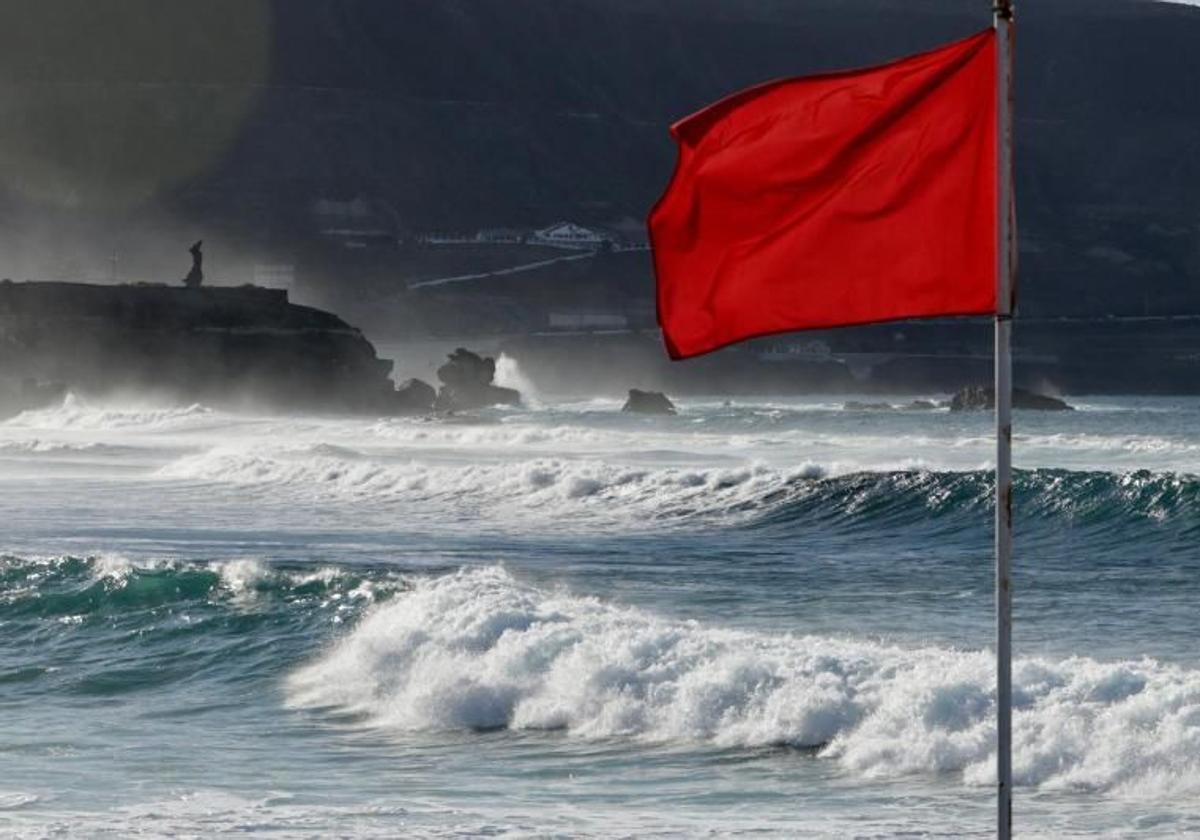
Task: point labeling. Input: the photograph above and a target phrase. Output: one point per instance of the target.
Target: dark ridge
(233, 118)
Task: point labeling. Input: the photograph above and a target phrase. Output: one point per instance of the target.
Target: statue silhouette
(196, 276)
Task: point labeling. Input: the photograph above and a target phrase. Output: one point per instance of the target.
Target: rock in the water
(982, 398)
(973, 398)
(466, 370)
(648, 402)
(1038, 402)
(921, 405)
(467, 384)
(856, 405)
(413, 396)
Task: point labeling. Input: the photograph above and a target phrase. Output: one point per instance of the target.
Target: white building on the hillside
(570, 235)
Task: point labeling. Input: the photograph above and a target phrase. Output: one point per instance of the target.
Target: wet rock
(466, 370)
(921, 405)
(983, 397)
(216, 345)
(414, 396)
(856, 405)
(648, 402)
(467, 383)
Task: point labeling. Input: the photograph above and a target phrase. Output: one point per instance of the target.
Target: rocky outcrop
(221, 345)
(414, 396)
(467, 383)
(983, 397)
(858, 405)
(648, 402)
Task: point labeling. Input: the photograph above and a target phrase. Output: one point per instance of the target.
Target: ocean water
(767, 618)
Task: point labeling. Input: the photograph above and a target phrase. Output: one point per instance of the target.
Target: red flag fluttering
(844, 198)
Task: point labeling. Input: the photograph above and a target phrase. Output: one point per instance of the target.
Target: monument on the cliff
(196, 276)
(222, 345)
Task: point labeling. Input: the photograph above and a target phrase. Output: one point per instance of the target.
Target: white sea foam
(434, 434)
(37, 446)
(78, 413)
(478, 649)
(542, 486)
(118, 567)
(240, 577)
(12, 799)
(510, 375)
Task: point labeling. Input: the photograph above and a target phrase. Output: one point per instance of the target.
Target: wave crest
(104, 584)
(479, 650)
(78, 413)
(590, 491)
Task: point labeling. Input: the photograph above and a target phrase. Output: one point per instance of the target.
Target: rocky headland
(222, 345)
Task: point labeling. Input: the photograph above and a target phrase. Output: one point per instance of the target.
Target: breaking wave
(109, 625)
(82, 587)
(37, 446)
(541, 484)
(78, 413)
(480, 650)
(752, 495)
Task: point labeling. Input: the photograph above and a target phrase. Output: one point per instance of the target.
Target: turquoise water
(767, 618)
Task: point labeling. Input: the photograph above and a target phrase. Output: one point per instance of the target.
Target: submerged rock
(648, 402)
(983, 397)
(467, 383)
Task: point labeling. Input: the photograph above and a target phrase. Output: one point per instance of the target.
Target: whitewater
(762, 616)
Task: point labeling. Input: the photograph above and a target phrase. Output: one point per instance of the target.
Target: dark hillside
(235, 118)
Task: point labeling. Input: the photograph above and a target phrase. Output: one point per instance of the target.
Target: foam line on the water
(41, 446)
(480, 650)
(78, 413)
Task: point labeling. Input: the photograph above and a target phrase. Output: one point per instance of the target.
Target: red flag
(845, 198)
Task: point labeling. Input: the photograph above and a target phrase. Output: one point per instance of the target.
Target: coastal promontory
(225, 345)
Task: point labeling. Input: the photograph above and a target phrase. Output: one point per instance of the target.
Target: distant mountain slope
(459, 114)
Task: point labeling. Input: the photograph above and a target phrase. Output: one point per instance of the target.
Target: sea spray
(510, 375)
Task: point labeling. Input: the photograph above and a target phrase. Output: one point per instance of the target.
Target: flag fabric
(844, 198)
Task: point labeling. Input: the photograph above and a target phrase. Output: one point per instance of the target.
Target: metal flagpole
(1003, 22)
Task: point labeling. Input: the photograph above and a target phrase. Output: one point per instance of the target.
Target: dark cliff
(221, 345)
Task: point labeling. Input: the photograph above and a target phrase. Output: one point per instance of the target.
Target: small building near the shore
(571, 235)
